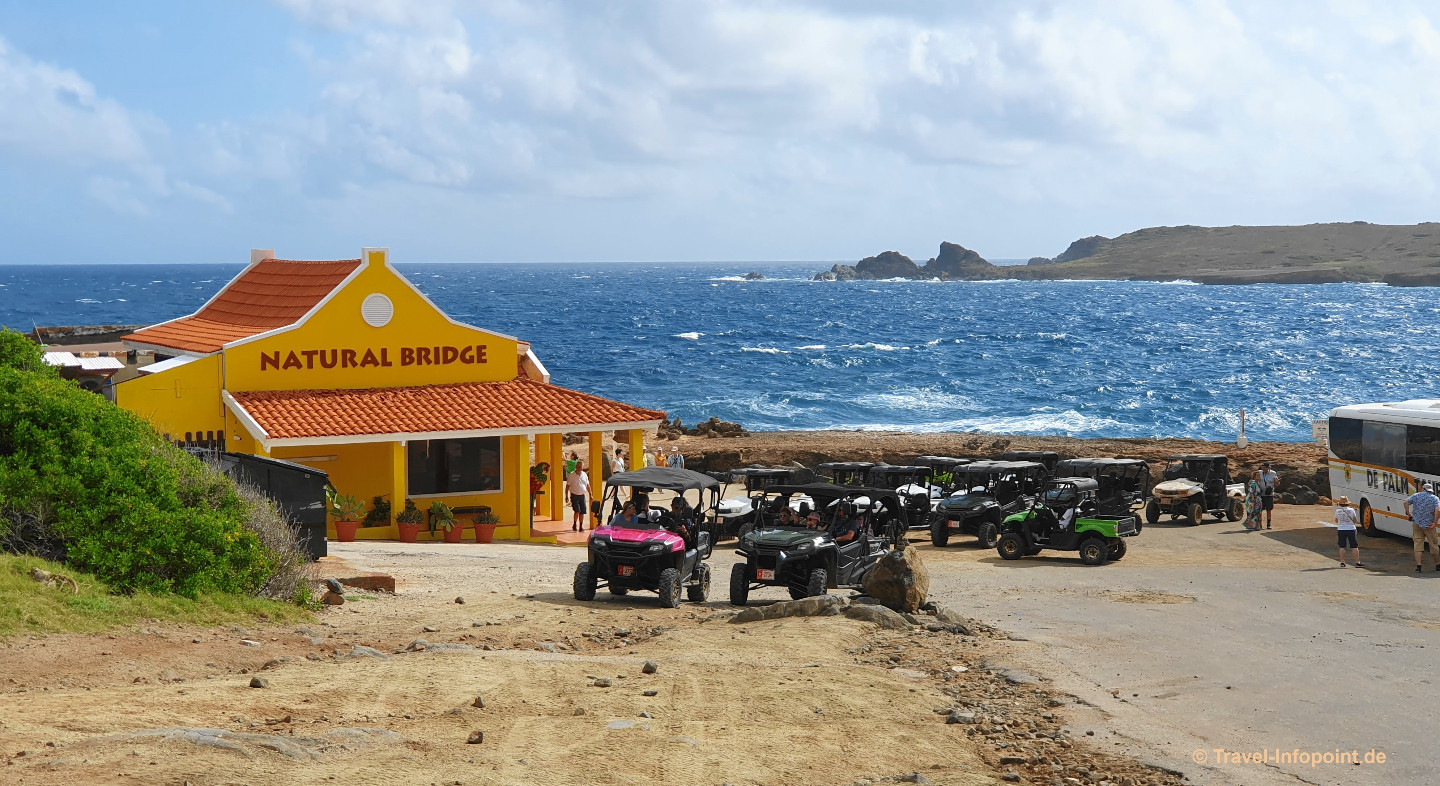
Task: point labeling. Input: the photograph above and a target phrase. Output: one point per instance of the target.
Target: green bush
(92, 484)
(21, 353)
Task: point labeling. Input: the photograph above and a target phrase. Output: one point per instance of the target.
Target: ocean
(1079, 358)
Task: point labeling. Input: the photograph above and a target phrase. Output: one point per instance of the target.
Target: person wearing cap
(1420, 508)
(1345, 521)
(1269, 479)
(677, 459)
(812, 521)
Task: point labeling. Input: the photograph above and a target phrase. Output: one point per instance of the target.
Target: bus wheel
(1367, 520)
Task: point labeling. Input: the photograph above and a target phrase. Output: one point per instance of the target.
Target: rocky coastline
(1356, 252)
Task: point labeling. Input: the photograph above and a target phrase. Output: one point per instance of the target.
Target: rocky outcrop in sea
(954, 263)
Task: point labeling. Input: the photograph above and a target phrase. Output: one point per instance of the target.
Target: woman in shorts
(1345, 521)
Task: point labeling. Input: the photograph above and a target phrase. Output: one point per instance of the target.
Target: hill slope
(1403, 255)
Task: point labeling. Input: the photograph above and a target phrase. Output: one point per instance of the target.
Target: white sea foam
(740, 279)
(876, 347)
(812, 347)
(1181, 282)
(86, 300)
(765, 350)
(691, 336)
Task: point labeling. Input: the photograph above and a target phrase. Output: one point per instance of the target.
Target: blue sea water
(1078, 358)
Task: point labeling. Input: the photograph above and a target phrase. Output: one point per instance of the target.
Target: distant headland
(1399, 255)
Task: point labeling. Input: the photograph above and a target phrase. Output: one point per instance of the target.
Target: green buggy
(1064, 518)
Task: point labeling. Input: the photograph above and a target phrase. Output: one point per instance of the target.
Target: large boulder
(878, 615)
(899, 580)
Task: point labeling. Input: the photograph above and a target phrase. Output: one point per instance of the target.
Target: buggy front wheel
(939, 531)
(1011, 546)
(1094, 551)
(1152, 512)
(739, 584)
(988, 533)
(670, 588)
(1196, 513)
(818, 584)
(585, 581)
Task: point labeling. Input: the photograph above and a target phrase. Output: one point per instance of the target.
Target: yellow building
(345, 366)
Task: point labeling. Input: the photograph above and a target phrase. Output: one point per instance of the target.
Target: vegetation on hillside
(91, 485)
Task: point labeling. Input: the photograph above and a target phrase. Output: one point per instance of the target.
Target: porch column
(558, 502)
(594, 465)
(399, 462)
(542, 454)
(522, 491)
(637, 449)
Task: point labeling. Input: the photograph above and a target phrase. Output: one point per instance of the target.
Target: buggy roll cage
(680, 481)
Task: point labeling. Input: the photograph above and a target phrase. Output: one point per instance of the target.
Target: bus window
(1422, 450)
(1383, 444)
(1345, 438)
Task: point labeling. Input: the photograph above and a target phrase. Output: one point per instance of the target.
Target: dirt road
(1207, 637)
(1212, 637)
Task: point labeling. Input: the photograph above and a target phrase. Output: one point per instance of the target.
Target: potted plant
(379, 515)
(539, 474)
(409, 521)
(441, 517)
(485, 523)
(346, 510)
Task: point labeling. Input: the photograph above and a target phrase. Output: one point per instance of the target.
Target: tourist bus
(1380, 454)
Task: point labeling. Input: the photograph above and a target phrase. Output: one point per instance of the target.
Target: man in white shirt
(577, 485)
(1269, 480)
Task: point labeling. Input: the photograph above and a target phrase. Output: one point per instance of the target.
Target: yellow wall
(338, 328)
(183, 399)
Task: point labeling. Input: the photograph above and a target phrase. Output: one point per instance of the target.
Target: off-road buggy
(737, 515)
(1049, 458)
(653, 554)
(911, 483)
(845, 473)
(1196, 484)
(943, 480)
(1064, 518)
(987, 492)
(1123, 483)
(809, 561)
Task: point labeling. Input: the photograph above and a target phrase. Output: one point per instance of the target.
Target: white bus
(1380, 454)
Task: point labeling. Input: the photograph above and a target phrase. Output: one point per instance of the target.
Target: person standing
(618, 465)
(660, 459)
(1269, 480)
(577, 485)
(677, 459)
(570, 463)
(648, 457)
(1254, 508)
(1420, 509)
(1345, 521)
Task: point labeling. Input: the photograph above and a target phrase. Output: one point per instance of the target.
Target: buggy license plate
(764, 575)
(626, 570)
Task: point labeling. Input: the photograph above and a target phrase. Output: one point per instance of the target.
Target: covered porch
(476, 456)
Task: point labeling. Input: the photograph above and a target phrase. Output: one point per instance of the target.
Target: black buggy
(809, 561)
(1049, 458)
(943, 477)
(845, 473)
(911, 483)
(986, 492)
(660, 554)
(737, 515)
(1121, 484)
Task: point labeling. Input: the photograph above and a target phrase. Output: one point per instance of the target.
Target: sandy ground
(1200, 638)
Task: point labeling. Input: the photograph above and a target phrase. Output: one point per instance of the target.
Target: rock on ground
(817, 606)
(878, 615)
(899, 580)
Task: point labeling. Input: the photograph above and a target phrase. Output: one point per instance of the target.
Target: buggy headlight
(600, 543)
(657, 547)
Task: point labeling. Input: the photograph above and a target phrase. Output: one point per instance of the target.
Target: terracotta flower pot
(345, 531)
(408, 532)
(484, 533)
(453, 534)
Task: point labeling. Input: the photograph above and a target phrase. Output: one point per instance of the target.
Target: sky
(670, 130)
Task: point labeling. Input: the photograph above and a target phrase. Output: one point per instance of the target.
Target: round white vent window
(377, 310)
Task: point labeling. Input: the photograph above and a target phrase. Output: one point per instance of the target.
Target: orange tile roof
(520, 403)
(271, 294)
